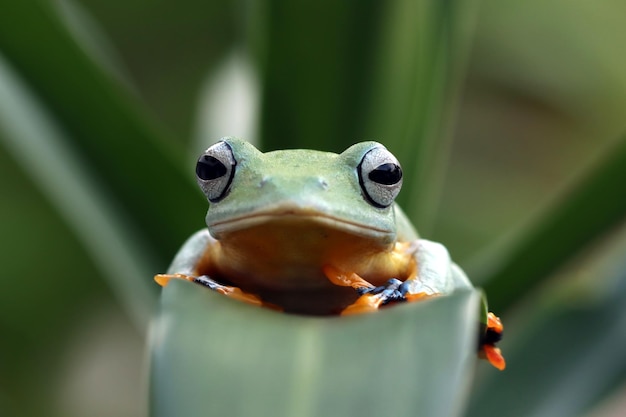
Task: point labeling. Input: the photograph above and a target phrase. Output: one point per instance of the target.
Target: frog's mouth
(297, 218)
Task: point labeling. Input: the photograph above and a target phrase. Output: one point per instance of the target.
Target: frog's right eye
(215, 170)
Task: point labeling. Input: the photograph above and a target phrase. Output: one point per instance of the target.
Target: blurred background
(529, 96)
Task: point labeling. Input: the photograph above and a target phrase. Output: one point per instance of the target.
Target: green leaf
(566, 353)
(419, 63)
(134, 162)
(88, 33)
(41, 147)
(213, 356)
(562, 366)
(591, 208)
(315, 63)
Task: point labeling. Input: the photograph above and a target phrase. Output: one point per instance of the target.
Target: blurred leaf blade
(420, 63)
(87, 32)
(104, 124)
(316, 80)
(576, 371)
(573, 338)
(29, 133)
(591, 208)
(204, 348)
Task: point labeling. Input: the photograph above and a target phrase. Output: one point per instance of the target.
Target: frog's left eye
(380, 177)
(215, 170)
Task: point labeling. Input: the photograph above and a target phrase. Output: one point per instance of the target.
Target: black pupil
(209, 168)
(387, 174)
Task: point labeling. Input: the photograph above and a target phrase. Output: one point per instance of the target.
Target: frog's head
(352, 192)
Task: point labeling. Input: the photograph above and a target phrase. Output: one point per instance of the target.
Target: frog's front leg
(433, 272)
(193, 257)
(367, 301)
(430, 272)
(227, 290)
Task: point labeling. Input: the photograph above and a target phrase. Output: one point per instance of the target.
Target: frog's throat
(246, 221)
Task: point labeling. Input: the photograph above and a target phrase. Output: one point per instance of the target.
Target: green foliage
(110, 133)
(283, 365)
(591, 208)
(75, 125)
(568, 350)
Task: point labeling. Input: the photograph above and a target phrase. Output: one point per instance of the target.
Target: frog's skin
(310, 232)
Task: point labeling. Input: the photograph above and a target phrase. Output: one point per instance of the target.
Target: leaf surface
(213, 356)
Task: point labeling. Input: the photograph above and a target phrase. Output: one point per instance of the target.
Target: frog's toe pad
(418, 296)
(367, 303)
(494, 356)
(164, 279)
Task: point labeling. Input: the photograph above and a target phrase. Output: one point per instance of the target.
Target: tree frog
(310, 232)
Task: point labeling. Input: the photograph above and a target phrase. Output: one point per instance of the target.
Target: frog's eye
(380, 177)
(215, 170)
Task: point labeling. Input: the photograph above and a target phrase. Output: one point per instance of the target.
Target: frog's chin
(298, 218)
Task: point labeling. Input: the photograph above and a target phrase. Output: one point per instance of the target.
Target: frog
(315, 233)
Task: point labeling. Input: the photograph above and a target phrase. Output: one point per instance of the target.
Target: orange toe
(164, 279)
(416, 296)
(494, 356)
(494, 323)
(236, 294)
(366, 303)
(344, 279)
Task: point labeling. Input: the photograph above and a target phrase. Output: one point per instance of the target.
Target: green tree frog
(310, 232)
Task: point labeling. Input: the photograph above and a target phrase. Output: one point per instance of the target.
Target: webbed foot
(487, 344)
(372, 298)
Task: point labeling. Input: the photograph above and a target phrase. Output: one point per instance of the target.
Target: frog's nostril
(264, 181)
(322, 183)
